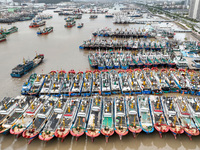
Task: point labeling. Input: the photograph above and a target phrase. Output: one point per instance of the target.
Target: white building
(194, 11)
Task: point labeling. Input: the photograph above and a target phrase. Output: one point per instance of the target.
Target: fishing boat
(155, 83)
(96, 87)
(68, 118)
(77, 85)
(69, 19)
(132, 115)
(87, 83)
(48, 83)
(21, 69)
(28, 84)
(68, 83)
(144, 113)
(145, 82)
(114, 81)
(54, 120)
(45, 31)
(124, 82)
(94, 121)
(194, 77)
(105, 82)
(93, 16)
(37, 85)
(159, 119)
(115, 60)
(184, 82)
(174, 87)
(80, 25)
(169, 107)
(27, 118)
(92, 60)
(139, 61)
(134, 81)
(108, 61)
(123, 62)
(22, 104)
(193, 104)
(7, 105)
(186, 118)
(57, 83)
(131, 61)
(27, 65)
(121, 127)
(107, 125)
(80, 124)
(181, 62)
(161, 76)
(37, 24)
(2, 38)
(9, 31)
(101, 63)
(109, 15)
(70, 24)
(40, 120)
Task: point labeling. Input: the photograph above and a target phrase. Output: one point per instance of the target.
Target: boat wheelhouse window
(197, 61)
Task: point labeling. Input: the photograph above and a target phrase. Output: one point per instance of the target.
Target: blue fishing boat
(124, 81)
(92, 60)
(28, 84)
(108, 60)
(140, 63)
(144, 113)
(146, 84)
(27, 65)
(162, 77)
(87, 83)
(37, 85)
(154, 81)
(134, 81)
(114, 81)
(123, 62)
(105, 82)
(100, 61)
(57, 83)
(48, 83)
(68, 83)
(96, 87)
(80, 25)
(174, 87)
(115, 60)
(78, 84)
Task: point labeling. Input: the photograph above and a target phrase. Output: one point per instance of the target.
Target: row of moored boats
(128, 44)
(124, 33)
(48, 117)
(126, 60)
(103, 82)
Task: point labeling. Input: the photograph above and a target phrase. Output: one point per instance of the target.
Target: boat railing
(108, 115)
(81, 114)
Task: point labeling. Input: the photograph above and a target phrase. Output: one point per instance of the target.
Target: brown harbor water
(61, 50)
